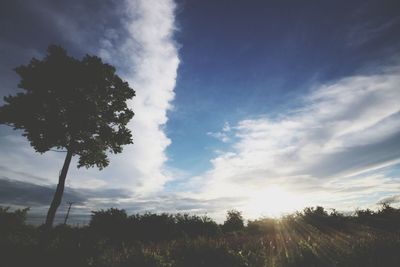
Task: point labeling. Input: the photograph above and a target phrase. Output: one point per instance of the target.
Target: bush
(234, 222)
(113, 239)
(261, 226)
(111, 224)
(195, 226)
(11, 219)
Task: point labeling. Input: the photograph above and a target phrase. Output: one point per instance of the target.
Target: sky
(261, 106)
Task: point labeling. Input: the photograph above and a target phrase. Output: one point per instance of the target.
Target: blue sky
(244, 60)
(239, 104)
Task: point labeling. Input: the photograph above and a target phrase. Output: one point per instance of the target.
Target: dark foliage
(115, 225)
(79, 105)
(76, 105)
(313, 237)
(13, 219)
(194, 226)
(265, 226)
(234, 221)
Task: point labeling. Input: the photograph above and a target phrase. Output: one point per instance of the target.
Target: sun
(273, 201)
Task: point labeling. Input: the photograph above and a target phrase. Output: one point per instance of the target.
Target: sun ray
(273, 201)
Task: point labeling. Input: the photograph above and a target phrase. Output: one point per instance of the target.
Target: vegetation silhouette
(313, 237)
(234, 221)
(76, 105)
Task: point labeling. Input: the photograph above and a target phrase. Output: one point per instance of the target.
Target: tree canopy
(71, 104)
(77, 105)
(234, 221)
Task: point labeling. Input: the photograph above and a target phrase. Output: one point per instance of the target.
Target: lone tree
(77, 106)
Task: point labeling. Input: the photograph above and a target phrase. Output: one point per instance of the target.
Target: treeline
(116, 224)
(312, 237)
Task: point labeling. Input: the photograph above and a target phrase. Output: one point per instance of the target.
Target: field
(309, 238)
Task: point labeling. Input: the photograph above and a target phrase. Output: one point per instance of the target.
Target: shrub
(234, 221)
(11, 219)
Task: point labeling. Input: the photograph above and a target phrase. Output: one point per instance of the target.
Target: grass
(114, 239)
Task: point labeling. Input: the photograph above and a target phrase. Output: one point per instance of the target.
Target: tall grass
(312, 237)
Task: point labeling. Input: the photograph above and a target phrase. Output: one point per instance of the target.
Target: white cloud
(329, 151)
(150, 61)
(224, 135)
(332, 151)
(145, 54)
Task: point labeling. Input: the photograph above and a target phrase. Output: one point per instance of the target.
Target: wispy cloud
(223, 135)
(330, 149)
(362, 33)
(334, 150)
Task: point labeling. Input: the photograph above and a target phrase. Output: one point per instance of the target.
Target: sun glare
(273, 201)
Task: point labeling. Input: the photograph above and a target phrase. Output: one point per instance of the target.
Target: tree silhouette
(78, 106)
(234, 221)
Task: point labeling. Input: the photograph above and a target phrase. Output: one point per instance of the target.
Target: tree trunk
(59, 191)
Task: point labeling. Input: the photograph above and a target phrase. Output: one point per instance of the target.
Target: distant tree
(234, 221)
(78, 106)
(12, 218)
(336, 214)
(193, 225)
(364, 213)
(318, 211)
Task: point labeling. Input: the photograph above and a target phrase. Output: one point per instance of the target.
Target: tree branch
(64, 151)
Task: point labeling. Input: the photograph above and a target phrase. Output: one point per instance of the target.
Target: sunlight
(274, 201)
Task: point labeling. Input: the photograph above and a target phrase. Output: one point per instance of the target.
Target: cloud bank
(333, 150)
(150, 60)
(137, 38)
